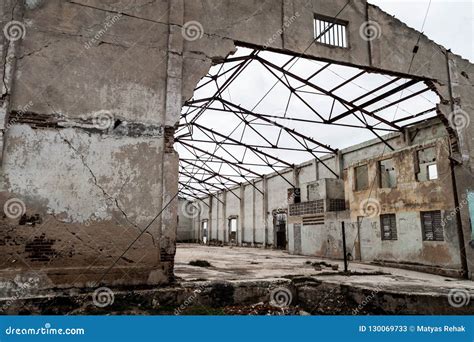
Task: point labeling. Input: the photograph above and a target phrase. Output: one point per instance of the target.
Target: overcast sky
(449, 23)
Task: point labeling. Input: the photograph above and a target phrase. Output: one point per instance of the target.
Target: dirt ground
(241, 263)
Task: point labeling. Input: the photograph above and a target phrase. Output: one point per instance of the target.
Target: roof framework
(236, 130)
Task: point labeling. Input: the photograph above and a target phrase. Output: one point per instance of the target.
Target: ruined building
(408, 219)
(92, 95)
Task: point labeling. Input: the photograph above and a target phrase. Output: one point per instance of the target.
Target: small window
(294, 195)
(388, 176)
(330, 31)
(389, 226)
(361, 177)
(431, 225)
(432, 172)
(426, 167)
(337, 205)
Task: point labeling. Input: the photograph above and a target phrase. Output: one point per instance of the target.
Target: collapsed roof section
(259, 112)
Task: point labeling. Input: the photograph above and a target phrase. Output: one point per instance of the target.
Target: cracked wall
(88, 89)
(253, 24)
(90, 99)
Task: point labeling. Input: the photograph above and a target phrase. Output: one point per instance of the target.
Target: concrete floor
(248, 264)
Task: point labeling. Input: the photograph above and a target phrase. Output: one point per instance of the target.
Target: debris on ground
(200, 263)
(318, 265)
(262, 309)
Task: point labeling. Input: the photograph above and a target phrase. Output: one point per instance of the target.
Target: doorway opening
(204, 231)
(233, 230)
(279, 224)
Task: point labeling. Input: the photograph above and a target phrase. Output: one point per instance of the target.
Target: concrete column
(316, 169)
(218, 204)
(339, 164)
(240, 230)
(296, 177)
(197, 225)
(461, 175)
(407, 138)
(254, 227)
(9, 49)
(165, 228)
(224, 217)
(209, 222)
(265, 209)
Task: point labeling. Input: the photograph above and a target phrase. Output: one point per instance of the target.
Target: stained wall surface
(412, 195)
(90, 96)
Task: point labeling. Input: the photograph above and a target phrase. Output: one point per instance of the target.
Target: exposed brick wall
(169, 139)
(41, 249)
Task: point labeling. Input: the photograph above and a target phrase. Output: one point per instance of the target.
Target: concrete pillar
(218, 204)
(339, 164)
(316, 169)
(209, 222)
(166, 227)
(461, 173)
(265, 209)
(224, 217)
(254, 227)
(296, 177)
(240, 230)
(197, 224)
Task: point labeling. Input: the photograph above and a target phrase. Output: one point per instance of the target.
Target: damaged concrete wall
(318, 232)
(407, 200)
(392, 51)
(91, 93)
(101, 80)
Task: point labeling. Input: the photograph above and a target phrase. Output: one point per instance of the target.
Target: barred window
(305, 208)
(388, 224)
(337, 204)
(330, 31)
(431, 225)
